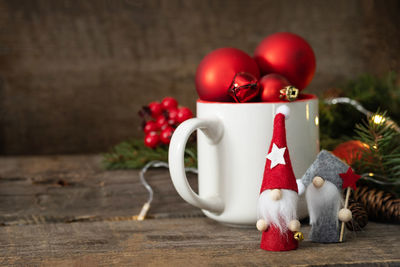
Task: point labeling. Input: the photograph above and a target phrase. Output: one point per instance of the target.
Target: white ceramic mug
(233, 141)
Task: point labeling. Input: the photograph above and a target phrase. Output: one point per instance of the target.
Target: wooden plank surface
(40, 189)
(67, 211)
(179, 242)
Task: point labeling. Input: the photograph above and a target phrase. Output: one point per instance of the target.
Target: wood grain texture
(74, 188)
(73, 74)
(66, 211)
(180, 242)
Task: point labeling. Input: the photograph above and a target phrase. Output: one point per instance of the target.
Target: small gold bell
(299, 236)
(289, 93)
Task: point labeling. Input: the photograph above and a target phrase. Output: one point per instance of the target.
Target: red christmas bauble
(289, 55)
(244, 87)
(350, 151)
(271, 85)
(216, 71)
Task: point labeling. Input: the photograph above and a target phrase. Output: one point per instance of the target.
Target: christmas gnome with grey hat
(323, 184)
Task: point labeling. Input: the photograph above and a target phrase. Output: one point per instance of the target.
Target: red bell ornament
(289, 55)
(216, 71)
(244, 87)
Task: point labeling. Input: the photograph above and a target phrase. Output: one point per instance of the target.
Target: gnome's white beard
(278, 213)
(321, 199)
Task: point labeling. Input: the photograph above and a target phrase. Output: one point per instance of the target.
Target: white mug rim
(305, 98)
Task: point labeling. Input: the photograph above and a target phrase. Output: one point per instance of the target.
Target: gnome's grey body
(324, 203)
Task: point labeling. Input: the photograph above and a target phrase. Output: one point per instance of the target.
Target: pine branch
(382, 159)
(337, 122)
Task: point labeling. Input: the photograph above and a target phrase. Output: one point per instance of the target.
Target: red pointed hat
(278, 172)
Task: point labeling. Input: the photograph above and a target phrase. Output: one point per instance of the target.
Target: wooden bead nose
(318, 181)
(276, 194)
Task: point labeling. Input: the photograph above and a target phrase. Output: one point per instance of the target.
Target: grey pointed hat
(327, 166)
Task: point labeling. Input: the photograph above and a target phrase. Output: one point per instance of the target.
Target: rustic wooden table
(67, 211)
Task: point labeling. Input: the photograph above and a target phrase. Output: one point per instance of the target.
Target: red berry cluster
(163, 118)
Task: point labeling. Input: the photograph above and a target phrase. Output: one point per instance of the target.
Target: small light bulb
(370, 174)
(378, 119)
(316, 121)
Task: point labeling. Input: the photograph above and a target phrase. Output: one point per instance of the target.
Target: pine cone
(381, 206)
(360, 216)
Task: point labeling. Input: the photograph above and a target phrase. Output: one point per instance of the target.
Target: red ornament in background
(216, 71)
(244, 87)
(271, 85)
(289, 55)
(350, 151)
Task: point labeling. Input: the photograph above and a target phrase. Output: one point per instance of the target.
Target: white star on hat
(276, 155)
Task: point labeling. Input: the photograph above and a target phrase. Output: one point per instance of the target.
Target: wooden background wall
(73, 74)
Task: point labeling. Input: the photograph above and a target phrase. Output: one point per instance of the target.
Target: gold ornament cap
(289, 93)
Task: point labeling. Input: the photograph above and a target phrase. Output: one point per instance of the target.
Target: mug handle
(213, 130)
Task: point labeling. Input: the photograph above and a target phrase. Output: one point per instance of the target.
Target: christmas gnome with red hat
(277, 204)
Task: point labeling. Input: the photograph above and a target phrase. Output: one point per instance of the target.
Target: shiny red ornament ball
(166, 134)
(216, 71)
(184, 113)
(271, 85)
(350, 151)
(150, 126)
(151, 140)
(289, 55)
(155, 109)
(169, 103)
(244, 87)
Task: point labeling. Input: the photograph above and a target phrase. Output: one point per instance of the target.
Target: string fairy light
(376, 118)
(152, 164)
(349, 101)
(369, 176)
